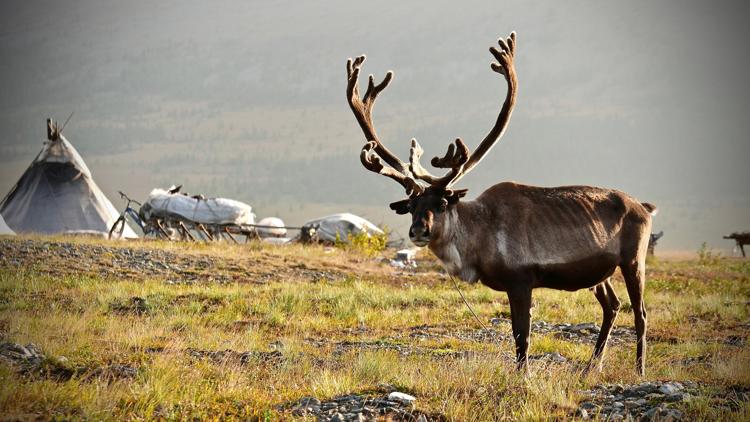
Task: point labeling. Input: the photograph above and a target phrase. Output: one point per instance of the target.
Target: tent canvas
(4, 229)
(57, 194)
(338, 227)
(163, 204)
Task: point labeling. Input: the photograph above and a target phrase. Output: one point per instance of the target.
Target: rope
(467, 303)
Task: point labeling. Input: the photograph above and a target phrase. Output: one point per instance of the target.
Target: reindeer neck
(451, 233)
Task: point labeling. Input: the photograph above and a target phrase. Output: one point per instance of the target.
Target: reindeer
(513, 237)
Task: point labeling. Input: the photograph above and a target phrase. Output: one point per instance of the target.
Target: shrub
(707, 256)
(364, 243)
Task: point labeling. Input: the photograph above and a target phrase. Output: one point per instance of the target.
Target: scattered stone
(124, 261)
(401, 397)
(497, 321)
(482, 335)
(360, 407)
(394, 345)
(670, 388)
(21, 355)
(114, 371)
(646, 401)
(554, 357)
(585, 332)
(738, 341)
(30, 361)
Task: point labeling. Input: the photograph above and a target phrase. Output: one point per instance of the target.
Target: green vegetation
(364, 243)
(317, 307)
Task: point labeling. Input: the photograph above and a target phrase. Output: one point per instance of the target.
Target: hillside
(246, 99)
(100, 330)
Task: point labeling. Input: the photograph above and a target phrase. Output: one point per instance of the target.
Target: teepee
(57, 194)
(4, 229)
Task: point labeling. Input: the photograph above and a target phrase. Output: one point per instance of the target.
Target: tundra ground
(150, 330)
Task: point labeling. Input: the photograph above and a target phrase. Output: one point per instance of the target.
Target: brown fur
(516, 238)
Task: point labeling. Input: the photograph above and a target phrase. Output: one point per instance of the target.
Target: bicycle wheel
(117, 228)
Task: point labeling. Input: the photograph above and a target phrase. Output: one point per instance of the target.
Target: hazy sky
(246, 99)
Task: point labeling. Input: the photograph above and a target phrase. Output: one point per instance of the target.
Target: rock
(587, 405)
(651, 414)
(551, 357)
(646, 388)
(309, 402)
(557, 357)
(338, 417)
(401, 397)
(116, 371)
(494, 321)
(582, 413)
(669, 388)
(672, 415)
(673, 397)
(28, 356)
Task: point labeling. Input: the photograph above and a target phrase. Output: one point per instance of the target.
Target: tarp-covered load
(4, 229)
(338, 227)
(163, 204)
(57, 194)
(271, 227)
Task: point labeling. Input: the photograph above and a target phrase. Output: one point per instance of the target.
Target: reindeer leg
(606, 296)
(635, 280)
(520, 314)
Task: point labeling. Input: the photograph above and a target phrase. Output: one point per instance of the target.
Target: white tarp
(57, 194)
(163, 204)
(4, 229)
(271, 227)
(327, 228)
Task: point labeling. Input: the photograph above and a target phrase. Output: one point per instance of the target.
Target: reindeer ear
(401, 207)
(453, 195)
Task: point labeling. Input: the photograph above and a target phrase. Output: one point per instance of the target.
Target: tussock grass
(693, 308)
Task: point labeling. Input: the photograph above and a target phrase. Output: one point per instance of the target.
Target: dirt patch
(586, 332)
(482, 335)
(132, 306)
(274, 357)
(395, 345)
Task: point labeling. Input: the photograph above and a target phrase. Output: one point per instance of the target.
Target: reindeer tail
(651, 208)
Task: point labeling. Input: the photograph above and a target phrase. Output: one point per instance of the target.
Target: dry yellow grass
(341, 323)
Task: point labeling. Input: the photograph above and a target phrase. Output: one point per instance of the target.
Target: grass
(83, 310)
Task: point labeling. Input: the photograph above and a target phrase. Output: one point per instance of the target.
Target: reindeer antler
(374, 150)
(454, 159)
(457, 158)
(505, 67)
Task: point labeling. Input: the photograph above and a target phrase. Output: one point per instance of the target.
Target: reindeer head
(425, 209)
(429, 196)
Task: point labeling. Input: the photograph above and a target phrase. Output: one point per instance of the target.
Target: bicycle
(119, 226)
